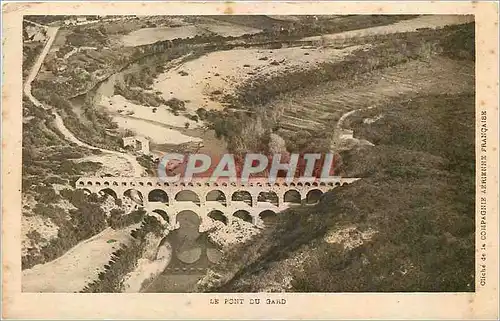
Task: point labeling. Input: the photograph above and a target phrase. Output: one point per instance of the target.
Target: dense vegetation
(389, 50)
(47, 159)
(252, 101)
(85, 221)
(93, 126)
(417, 193)
(311, 25)
(30, 52)
(46, 156)
(118, 219)
(423, 171)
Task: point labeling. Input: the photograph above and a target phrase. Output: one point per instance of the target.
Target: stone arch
(268, 197)
(218, 216)
(314, 196)
(292, 196)
(109, 191)
(158, 195)
(186, 250)
(81, 183)
(89, 183)
(242, 195)
(187, 196)
(188, 219)
(243, 215)
(267, 214)
(216, 195)
(163, 214)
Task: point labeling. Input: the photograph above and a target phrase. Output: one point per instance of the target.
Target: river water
(191, 250)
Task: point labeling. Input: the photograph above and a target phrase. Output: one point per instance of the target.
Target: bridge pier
(255, 199)
(257, 221)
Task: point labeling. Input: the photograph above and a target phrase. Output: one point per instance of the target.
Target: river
(166, 132)
(191, 252)
(188, 246)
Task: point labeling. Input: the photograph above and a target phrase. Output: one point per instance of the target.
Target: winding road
(137, 169)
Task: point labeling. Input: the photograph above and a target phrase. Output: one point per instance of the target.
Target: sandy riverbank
(146, 36)
(77, 267)
(204, 81)
(410, 25)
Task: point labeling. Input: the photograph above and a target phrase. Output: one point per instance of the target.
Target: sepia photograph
(264, 154)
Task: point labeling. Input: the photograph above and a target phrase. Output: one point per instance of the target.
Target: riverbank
(77, 267)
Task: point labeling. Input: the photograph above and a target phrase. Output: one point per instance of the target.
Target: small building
(138, 143)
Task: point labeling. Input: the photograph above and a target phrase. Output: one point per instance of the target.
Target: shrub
(117, 219)
(176, 104)
(124, 259)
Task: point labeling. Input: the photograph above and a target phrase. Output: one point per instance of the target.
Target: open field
(322, 107)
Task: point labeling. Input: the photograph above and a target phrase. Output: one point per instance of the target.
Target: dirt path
(137, 169)
(52, 32)
(77, 267)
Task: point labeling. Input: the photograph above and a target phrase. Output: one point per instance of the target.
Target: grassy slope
(417, 192)
(418, 196)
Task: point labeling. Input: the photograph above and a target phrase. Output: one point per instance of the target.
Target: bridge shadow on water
(192, 254)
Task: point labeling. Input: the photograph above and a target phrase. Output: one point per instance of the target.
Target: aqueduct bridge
(221, 200)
